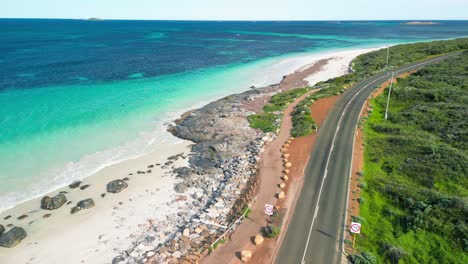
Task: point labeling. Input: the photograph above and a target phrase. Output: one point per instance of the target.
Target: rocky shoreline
(218, 182)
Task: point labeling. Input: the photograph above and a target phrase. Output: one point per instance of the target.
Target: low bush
(271, 231)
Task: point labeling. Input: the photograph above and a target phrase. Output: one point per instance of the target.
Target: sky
(238, 9)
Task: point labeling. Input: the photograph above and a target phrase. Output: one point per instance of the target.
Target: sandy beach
(149, 207)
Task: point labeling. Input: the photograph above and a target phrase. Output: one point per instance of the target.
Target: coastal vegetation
(367, 65)
(363, 66)
(416, 167)
(269, 120)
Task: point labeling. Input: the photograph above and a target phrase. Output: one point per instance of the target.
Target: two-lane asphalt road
(316, 230)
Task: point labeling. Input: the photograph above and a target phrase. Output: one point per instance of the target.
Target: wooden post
(354, 239)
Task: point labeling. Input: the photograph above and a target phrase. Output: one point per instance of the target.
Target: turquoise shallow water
(76, 96)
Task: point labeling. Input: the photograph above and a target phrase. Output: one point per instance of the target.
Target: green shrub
(363, 258)
(271, 231)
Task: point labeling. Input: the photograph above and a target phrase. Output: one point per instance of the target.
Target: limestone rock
(84, 204)
(285, 177)
(53, 203)
(246, 255)
(258, 240)
(186, 232)
(282, 185)
(116, 186)
(281, 195)
(286, 171)
(288, 165)
(12, 237)
(181, 187)
(286, 156)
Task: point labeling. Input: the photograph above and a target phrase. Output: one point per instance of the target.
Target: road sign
(355, 227)
(268, 209)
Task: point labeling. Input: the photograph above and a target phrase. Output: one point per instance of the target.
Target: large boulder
(246, 255)
(52, 203)
(84, 204)
(12, 237)
(2, 229)
(116, 186)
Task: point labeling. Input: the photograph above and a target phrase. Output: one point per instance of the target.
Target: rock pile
(216, 184)
(53, 203)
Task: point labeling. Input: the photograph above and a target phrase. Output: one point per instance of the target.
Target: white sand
(98, 234)
(338, 65)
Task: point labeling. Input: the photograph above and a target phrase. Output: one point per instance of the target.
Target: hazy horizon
(240, 10)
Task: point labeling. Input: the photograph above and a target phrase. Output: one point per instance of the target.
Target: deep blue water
(77, 95)
(48, 52)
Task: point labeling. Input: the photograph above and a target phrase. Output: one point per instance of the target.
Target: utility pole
(388, 97)
(430, 47)
(388, 55)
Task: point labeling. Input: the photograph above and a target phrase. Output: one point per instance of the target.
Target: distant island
(419, 23)
(94, 19)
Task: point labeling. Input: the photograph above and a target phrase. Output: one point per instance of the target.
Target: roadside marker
(355, 229)
(268, 209)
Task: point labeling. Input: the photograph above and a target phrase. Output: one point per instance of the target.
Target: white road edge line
(333, 143)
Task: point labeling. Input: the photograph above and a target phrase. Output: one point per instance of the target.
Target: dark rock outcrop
(2, 229)
(84, 204)
(75, 185)
(183, 172)
(12, 237)
(21, 217)
(53, 203)
(116, 186)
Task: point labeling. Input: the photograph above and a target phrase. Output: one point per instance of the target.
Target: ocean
(77, 95)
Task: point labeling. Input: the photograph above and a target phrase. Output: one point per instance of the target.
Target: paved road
(316, 230)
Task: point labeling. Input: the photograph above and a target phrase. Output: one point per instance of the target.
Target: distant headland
(94, 19)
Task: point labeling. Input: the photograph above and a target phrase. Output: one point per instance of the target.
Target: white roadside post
(355, 229)
(388, 97)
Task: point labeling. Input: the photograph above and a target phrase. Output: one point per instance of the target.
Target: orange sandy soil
(358, 162)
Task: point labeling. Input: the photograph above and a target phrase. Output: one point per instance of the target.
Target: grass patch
(264, 121)
(269, 120)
